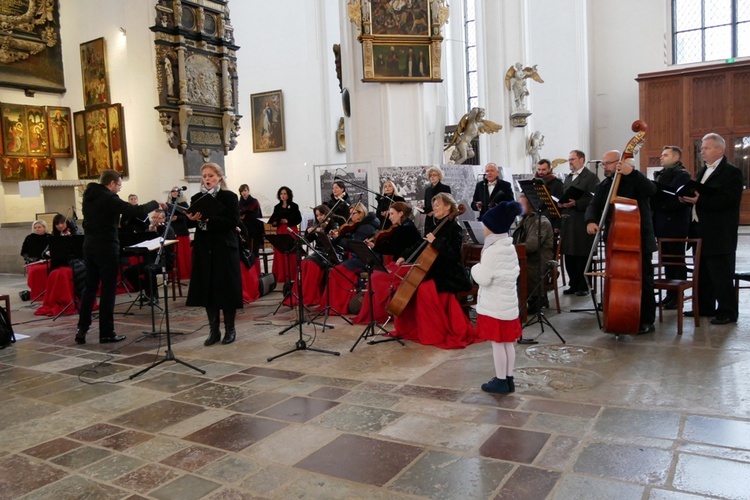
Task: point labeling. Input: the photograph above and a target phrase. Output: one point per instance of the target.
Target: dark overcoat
(575, 239)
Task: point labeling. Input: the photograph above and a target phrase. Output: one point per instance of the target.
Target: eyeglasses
(608, 163)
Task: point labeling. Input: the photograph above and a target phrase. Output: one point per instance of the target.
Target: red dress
(250, 282)
(284, 265)
(341, 287)
(384, 285)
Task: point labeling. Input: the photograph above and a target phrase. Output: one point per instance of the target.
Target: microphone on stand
(183, 188)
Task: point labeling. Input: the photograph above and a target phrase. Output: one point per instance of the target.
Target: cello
(419, 270)
(621, 296)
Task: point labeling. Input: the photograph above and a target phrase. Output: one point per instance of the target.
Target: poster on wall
(100, 141)
(268, 121)
(60, 132)
(94, 73)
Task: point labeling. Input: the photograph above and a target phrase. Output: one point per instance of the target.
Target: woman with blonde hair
(215, 282)
(435, 187)
(389, 197)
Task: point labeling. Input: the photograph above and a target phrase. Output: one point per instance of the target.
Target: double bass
(419, 270)
(621, 296)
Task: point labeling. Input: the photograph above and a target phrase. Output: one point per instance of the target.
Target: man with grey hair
(715, 219)
(490, 191)
(636, 186)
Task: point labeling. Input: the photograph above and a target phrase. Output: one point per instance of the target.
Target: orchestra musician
(180, 226)
(216, 280)
(250, 215)
(339, 202)
(390, 195)
(636, 186)
(537, 250)
(134, 224)
(63, 227)
(313, 267)
(490, 191)
(157, 226)
(36, 243)
(285, 217)
(342, 280)
(434, 316)
(395, 241)
(436, 186)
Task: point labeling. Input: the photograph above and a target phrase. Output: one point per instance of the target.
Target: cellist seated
(342, 280)
(636, 186)
(434, 316)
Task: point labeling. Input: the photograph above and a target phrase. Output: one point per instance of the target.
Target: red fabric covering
(59, 294)
(341, 286)
(433, 318)
(498, 330)
(284, 266)
(383, 286)
(36, 279)
(250, 283)
(184, 257)
(312, 285)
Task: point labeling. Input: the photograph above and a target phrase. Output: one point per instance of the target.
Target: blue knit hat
(499, 218)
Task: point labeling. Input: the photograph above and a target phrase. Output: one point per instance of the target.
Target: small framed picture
(94, 73)
(268, 121)
(60, 132)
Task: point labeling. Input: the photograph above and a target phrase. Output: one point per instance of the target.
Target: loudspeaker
(266, 283)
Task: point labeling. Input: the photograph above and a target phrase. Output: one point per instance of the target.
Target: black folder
(207, 205)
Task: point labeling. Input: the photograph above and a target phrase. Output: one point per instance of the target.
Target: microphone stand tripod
(538, 196)
(330, 266)
(168, 354)
(300, 345)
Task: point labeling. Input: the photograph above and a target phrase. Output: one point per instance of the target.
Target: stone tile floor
(649, 417)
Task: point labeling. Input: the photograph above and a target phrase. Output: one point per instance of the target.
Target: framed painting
(82, 154)
(393, 61)
(60, 132)
(14, 130)
(115, 128)
(94, 73)
(36, 125)
(268, 121)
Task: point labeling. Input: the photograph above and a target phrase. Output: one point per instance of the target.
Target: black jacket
(671, 218)
(341, 213)
(101, 212)
(501, 192)
(384, 203)
(291, 213)
(430, 192)
(398, 240)
(718, 209)
(34, 246)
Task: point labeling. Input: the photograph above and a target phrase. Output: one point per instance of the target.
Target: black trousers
(716, 295)
(99, 269)
(575, 265)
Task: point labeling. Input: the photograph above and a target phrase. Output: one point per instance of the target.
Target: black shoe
(109, 339)
(496, 386)
(669, 305)
(723, 320)
(511, 384)
(213, 338)
(80, 337)
(581, 293)
(229, 337)
(644, 329)
(568, 291)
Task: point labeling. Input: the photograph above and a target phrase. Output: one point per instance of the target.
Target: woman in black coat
(215, 282)
(435, 187)
(286, 217)
(388, 198)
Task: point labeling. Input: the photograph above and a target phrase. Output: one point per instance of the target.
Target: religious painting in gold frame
(100, 141)
(94, 73)
(60, 132)
(268, 121)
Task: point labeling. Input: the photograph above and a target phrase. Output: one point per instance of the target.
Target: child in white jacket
(497, 303)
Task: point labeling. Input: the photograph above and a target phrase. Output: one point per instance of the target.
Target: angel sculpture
(534, 147)
(471, 125)
(515, 80)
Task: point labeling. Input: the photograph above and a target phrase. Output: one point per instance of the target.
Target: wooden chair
(561, 262)
(737, 286)
(692, 262)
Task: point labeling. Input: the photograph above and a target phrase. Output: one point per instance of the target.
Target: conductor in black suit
(490, 191)
(715, 219)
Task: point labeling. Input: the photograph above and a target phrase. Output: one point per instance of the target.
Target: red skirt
(36, 278)
(60, 295)
(498, 330)
(342, 284)
(433, 318)
(184, 257)
(384, 285)
(250, 283)
(284, 265)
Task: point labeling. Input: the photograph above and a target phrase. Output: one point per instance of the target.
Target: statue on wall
(515, 81)
(469, 127)
(534, 146)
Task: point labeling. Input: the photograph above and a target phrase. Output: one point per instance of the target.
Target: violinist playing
(388, 198)
(286, 217)
(342, 281)
(313, 266)
(394, 242)
(434, 315)
(634, 185)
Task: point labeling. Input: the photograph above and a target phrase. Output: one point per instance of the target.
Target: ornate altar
(401, 40)
(196, 67)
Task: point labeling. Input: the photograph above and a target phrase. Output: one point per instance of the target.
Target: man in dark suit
(576, 242)
(636, 186)
(555, 188)
(671, 218)
(715, 219)
(491, 191)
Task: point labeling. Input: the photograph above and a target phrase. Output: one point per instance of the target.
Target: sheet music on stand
(328, 248)
(539, 197)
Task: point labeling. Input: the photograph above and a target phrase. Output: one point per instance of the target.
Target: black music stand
(168, 354)
(127, 242)
(372, 262)
(540, 199)
(330, 259)
(284, 244)
(300, 345)
(143, 255)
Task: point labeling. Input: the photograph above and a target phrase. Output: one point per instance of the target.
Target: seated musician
(402, 235)
(35, 244)
(434, 316)
(133, 224)
(157, 226)
(343, 278)
(286, 216)
(63, 227)
(180, 226)
(634, 185)
(389, 197)
(313, 266)
(537, 250)
(339, 202)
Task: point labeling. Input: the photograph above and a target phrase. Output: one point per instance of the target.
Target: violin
(383, 235)
(347, 228)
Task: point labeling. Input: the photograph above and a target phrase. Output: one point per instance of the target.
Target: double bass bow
(621, 296)
(416, 275)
